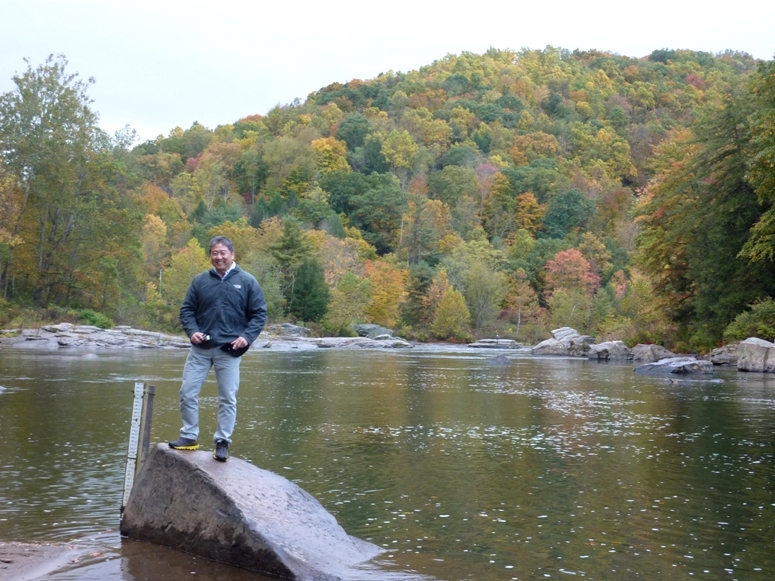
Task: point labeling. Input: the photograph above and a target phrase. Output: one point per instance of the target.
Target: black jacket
(224, 309)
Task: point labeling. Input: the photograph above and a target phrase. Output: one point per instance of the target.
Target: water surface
(548, 468)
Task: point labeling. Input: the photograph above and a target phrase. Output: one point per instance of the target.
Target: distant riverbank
(68, 335)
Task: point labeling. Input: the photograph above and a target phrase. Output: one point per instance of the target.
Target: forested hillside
(509, 193)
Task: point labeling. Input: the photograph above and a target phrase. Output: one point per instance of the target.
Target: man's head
(221, 254)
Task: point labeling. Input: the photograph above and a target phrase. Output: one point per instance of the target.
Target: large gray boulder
(726, 355)
(372, 331)
(756, 354)
(676, 365)
(237, 513)
(650, 353)
(609, 350)
(565, 341)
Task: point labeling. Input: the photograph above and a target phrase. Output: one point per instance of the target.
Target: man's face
(221, 258)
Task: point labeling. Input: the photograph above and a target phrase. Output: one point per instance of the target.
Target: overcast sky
(165, 63)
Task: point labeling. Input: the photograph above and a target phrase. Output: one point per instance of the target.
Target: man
(223, 313)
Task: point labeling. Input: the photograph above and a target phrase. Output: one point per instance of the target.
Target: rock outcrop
(756, 355)
(609, 350)
(676, 365)
(373, 331)
(650, 353)
(237, 513)
(726, 355)
(361, 343)
(565, 341)
(495, 344)
(69, 335)
(288, 330)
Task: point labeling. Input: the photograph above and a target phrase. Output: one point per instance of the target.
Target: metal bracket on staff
(139, 435)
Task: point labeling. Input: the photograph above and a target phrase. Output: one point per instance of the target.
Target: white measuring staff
(134, 442)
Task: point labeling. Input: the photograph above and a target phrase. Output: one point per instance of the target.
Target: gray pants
(198, 364)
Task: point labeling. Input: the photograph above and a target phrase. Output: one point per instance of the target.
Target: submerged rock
(237, 513)
(500, 361)
(756, 354)
(678, 365)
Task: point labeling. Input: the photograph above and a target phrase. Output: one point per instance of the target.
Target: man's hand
(239, 343)
(197, 338)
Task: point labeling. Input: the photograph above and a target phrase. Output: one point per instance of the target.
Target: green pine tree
(311, 294)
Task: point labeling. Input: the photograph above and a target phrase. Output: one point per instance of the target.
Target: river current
(546, 469)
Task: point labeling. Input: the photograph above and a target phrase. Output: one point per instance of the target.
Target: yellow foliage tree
(530, 213)
(155, 248)
(338, 257)
(439, 285)
(349, 301)
(528, 147)
(184, 266)
(244, 237)
(330, 155)
(389, 289)
(451, 319)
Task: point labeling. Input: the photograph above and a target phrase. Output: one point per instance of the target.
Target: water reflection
(460, 470)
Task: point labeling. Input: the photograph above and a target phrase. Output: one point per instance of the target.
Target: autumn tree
(183, 267)
(520, 305)
(569, 270)
(413, 309)
(349, 301)
(529, 213)
(426, 223)
(699, 200)
(499, 208)
(63, 168)
(155, 248)
(388, 290)
(439, 285)
(399, 149)
(451, 317)
(330, 155)
(527, 148)
(484, 290)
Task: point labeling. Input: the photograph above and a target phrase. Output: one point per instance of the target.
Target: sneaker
(221, 452)
(184, 444)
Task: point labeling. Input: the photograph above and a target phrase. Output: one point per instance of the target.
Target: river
(548, 468)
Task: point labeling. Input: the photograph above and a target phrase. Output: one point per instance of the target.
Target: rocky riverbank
(67, 335)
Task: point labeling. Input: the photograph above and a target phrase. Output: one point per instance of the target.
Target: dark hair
(222, 240)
